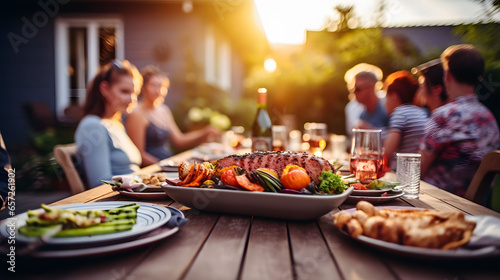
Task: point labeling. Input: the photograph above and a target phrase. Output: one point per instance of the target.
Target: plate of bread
(415, 232)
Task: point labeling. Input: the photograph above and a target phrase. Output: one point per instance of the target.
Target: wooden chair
(489, 167)
(64, 155)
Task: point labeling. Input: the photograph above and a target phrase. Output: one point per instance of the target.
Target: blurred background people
(363, 109)
(431, 85)
(406, 120)
(103, 146)
(353, 111)
(152, 127)
(461, 132)
(374, 114)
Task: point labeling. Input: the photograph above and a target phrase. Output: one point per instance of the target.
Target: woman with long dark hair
(104, 148)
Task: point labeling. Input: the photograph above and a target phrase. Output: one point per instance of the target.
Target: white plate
(145, 195)
(149, 217)
(157, 193)
(370, 192)
(148, 238)
(264, 204)
(417, 252)
(375, 199)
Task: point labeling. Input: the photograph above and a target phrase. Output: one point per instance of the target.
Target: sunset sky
(285, 21)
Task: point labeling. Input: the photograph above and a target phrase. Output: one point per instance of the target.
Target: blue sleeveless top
(157, 141)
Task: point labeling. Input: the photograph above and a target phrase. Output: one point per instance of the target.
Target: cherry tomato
(359, 187)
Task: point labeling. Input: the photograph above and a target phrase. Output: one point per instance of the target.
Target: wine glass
(280, 138)
(318, 134)
(366, 154)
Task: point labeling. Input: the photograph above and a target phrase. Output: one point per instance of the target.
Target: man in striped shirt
(406, 121)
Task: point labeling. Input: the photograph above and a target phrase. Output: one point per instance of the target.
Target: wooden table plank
(88, 195)
(114, 266)
(172, 257)
(311, 258)
(354, 260)
(268, 254)
(220, 257)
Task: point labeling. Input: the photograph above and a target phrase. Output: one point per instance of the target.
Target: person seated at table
(461, 132)
(103, 147)
(152, 127)
(374, 115)
(431, 84)
(6, 191)
(406, 120)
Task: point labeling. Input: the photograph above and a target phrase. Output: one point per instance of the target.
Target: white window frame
(217, 60)
(61, 37)
(210, 73)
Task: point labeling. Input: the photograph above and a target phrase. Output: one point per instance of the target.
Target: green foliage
(485, 38)
(36, 167)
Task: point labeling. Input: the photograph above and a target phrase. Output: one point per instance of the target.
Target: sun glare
(270, 65)
(286, 21)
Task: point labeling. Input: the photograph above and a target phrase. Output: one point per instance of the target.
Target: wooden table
(222, 246)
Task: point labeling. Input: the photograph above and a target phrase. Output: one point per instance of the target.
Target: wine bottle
(262, 126)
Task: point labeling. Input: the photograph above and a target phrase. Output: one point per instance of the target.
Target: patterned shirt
(460, 134)
(410, 121)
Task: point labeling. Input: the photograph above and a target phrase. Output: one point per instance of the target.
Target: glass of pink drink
(366, 154)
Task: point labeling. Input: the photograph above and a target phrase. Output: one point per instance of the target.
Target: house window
(217, 60)
(82, 46)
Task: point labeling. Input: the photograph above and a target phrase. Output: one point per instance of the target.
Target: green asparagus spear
(102, 229)
(80, 222)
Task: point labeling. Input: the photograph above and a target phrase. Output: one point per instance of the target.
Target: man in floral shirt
(460, 133)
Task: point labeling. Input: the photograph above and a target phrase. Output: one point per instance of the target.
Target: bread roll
(412, 227)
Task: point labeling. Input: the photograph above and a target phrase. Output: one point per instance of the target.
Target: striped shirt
(410, 121)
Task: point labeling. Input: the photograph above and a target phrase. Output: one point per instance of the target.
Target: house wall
(426, 38)
(28, 75)
(27, 70)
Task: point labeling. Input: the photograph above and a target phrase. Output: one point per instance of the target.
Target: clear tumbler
(408, 173)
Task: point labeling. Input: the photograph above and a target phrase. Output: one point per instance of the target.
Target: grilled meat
(278, 161)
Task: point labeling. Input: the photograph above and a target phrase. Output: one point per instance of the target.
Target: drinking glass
(366, 154)
(237, 136)
(318, 134)
(338, 147)
(280, 138)
(408, 173)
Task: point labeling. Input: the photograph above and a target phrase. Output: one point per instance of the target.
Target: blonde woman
(152, 127)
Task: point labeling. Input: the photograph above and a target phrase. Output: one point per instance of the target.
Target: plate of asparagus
(86, 223)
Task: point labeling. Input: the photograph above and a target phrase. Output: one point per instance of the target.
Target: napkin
(177, 218)
(129, 183)
(486, 233)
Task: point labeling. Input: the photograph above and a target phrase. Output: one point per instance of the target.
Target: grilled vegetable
(79, 222)
(197, 174)
(244, 182)
(268, 180)
(295, 177)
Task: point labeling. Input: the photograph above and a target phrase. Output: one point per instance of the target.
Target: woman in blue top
(152, 127)
(406, 121)
(103, 146)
